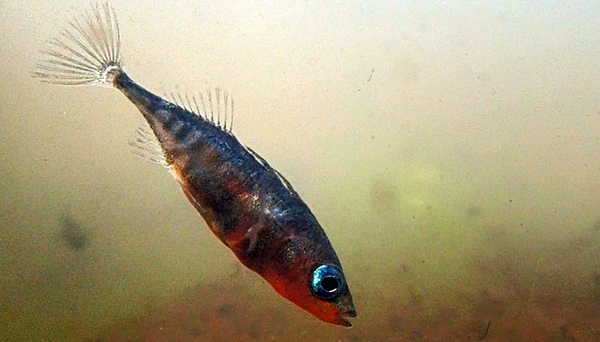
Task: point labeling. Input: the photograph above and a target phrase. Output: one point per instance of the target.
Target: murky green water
(450, 150)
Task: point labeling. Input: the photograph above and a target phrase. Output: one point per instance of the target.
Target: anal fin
(146, 146)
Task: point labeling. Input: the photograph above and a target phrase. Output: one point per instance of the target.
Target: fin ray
(146, 146)
(212, 105)
(88, 51)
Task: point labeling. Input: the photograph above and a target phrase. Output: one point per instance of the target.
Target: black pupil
(329, 284)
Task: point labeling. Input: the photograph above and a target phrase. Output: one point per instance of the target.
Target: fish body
(246, 203)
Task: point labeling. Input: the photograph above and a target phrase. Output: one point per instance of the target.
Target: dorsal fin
(214, 105)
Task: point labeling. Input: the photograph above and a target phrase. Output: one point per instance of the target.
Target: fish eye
(327, 281)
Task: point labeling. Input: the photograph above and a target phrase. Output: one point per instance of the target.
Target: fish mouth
(346, 316)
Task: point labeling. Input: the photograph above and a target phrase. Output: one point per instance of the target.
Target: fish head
(313, 279)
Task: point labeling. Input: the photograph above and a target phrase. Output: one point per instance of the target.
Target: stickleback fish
(246, 203)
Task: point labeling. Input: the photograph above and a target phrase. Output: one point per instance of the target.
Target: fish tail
(88, 51)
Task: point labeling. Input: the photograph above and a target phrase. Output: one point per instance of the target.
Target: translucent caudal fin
(86, 52)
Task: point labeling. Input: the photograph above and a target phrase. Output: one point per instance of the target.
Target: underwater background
(450, 150)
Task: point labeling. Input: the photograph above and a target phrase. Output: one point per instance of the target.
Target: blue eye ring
(327, 281)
